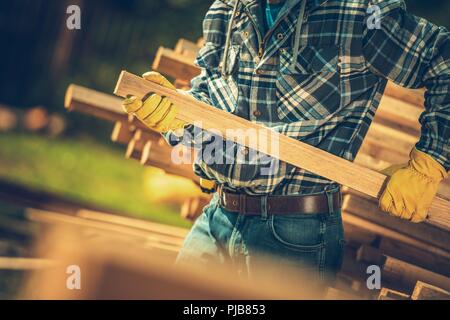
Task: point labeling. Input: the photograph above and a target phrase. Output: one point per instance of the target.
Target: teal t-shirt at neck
(272, 12)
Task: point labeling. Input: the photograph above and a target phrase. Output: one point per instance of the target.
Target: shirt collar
(254, 8)
(312, 4)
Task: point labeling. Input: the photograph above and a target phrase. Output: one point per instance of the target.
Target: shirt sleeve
(190, 135)
(415, 53)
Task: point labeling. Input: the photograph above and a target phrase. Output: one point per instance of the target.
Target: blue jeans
(301, 242)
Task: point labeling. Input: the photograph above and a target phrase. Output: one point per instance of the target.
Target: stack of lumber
(408, 254)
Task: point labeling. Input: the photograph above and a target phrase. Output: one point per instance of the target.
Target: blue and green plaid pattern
(327, 96)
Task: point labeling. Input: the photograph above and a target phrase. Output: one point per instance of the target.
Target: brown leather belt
(279, 205)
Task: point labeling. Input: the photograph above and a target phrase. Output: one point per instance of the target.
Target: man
(314, 70)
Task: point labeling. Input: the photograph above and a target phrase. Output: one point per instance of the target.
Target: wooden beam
(370, 148)
(94, 103)
(187, 48)
(356, 236)
(127, 130)
(157, 240)
(312, 159)
(399, 114)
(413, 96)
(8, 263)
(336, 294)
(398, 273)
(192, 208)
(152, 227)
(425, 291)
(136, 145)
(174, 65)
(424, 258)
(155, 155)
(351, 219)
(122, 132)
(369, 211)
(98, 104)
(382, 137)
(389, 294)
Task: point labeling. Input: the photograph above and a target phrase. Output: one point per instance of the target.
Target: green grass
(82, 170)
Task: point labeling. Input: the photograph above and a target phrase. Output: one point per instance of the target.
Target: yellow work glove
(156, 112)
(412, 187)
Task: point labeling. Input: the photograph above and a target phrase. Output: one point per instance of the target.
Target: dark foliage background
(40, 57)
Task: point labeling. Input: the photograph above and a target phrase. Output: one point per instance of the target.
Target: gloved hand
(412, 187)
(156, 112)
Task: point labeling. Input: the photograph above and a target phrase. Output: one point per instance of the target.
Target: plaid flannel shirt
(328, 94)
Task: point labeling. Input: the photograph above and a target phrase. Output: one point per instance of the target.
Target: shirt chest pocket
(221, 79)
(308, 86)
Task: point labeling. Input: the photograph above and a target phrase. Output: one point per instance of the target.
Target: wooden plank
(8, 263)
(336, 294)
(142, 135)
(134, 223)
(371, 162)
(356, 236)
(155, 155)
(315, 160)
(122, 133)
(192, 208)
(420, 257)
(424, 291)
(398, 113)
(371, 149)
(389, 294)
(158, 240)
(401, 274)
(136, 145)
(139, 145)
(187, 48)
(386, 138)
(174, 65)
(368, 210)
(182, 84)
(413, 96)
(406, 274)
(134, 149)
(98, 104)
(393, 235)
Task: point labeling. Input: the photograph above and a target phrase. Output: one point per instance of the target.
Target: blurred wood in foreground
(110, 269)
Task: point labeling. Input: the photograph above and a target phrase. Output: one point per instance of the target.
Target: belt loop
(264, 213)
(242, 204)
(329, 195)
(220, 194)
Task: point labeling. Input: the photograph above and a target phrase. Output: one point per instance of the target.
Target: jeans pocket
(297, 234)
